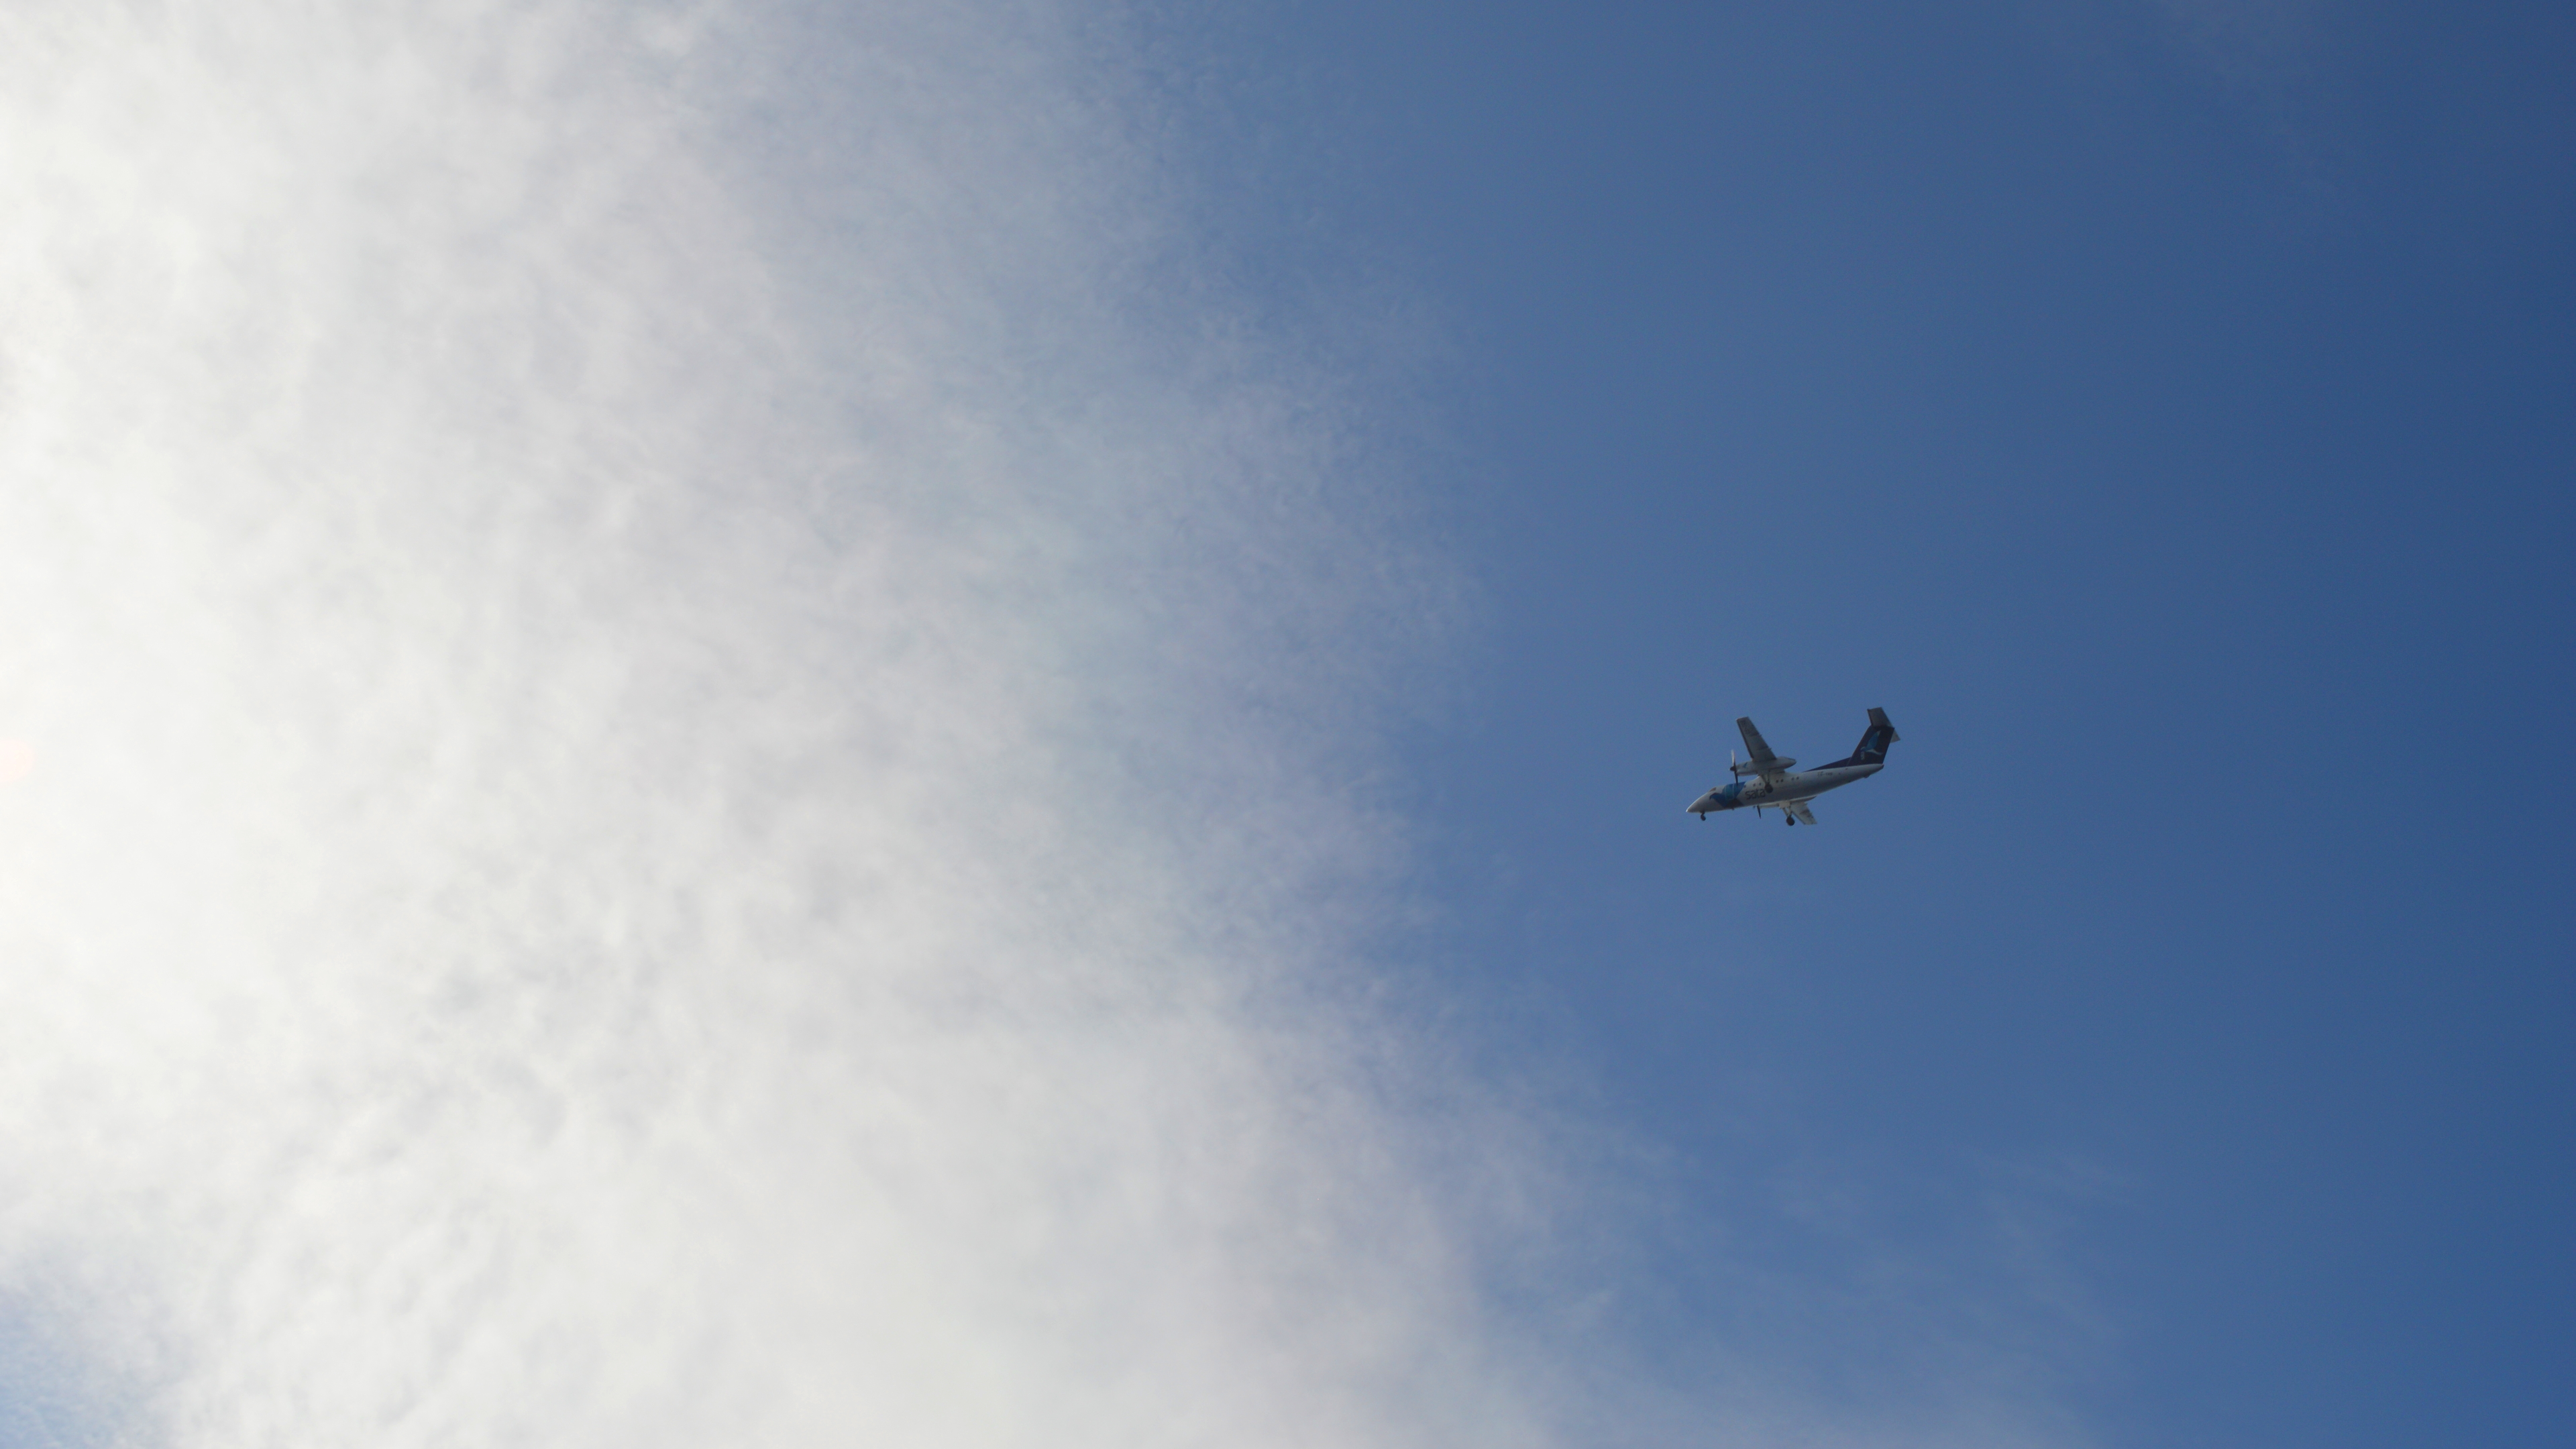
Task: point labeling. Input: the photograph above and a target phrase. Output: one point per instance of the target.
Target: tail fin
(1872, 749)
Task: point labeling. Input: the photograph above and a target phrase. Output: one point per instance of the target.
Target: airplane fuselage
(1759, 793)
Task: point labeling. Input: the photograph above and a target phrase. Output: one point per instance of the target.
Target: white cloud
(649, 827)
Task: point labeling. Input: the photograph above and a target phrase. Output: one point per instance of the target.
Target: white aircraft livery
(1777, 787)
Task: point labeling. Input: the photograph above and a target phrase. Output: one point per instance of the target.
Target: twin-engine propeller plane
(1777, 787)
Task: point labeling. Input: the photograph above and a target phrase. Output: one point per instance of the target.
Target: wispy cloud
(646, 829)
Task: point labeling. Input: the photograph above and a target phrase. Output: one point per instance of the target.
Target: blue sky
(2166, 418)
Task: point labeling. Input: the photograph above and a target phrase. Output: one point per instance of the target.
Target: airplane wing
(1798, 810)
(1758, 752)
(1754, 748)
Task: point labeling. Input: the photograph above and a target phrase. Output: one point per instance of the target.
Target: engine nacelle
(1748, 767)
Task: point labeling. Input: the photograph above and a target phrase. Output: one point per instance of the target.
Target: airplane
(1788, 791)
